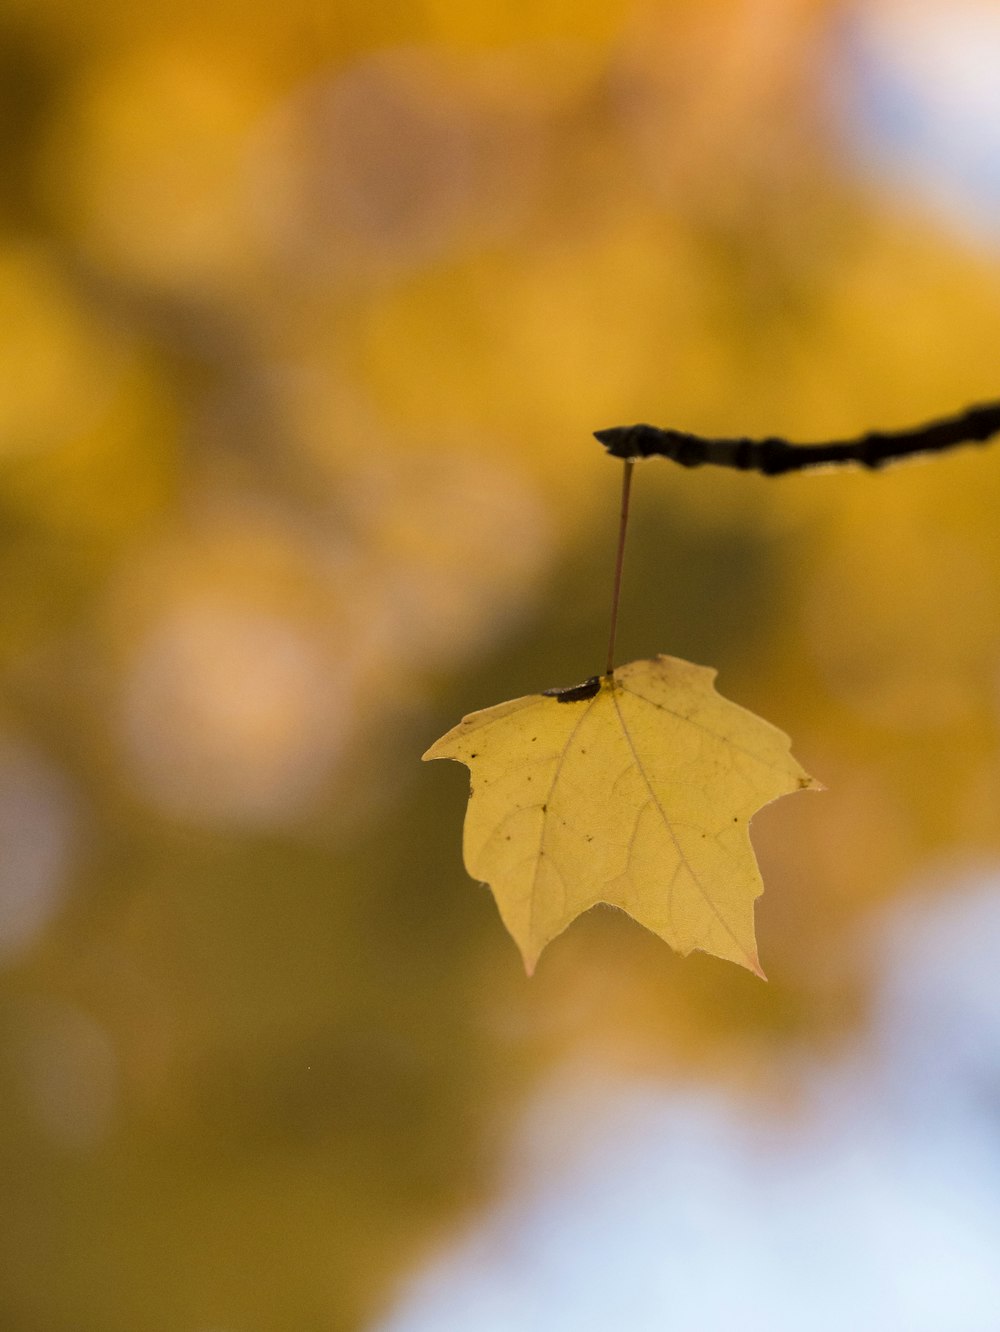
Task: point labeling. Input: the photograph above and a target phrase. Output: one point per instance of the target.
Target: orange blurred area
(306, 316)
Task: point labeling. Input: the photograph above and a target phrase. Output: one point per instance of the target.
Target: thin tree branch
(774, 456)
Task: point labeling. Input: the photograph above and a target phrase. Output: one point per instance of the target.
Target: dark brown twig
(775, 456)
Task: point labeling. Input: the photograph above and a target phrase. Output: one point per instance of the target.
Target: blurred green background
(306, 314)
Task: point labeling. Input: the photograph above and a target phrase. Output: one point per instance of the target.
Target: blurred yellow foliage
(307, 314)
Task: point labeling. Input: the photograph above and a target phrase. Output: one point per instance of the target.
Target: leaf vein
(669, 827)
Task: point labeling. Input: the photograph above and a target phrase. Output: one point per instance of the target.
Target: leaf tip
(530, 960)
(753, 964)
(438, 749)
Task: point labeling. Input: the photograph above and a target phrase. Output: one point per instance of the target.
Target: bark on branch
(775, 456)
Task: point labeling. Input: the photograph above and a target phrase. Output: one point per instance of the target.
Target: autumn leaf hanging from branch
(636, 791)
(637, 787)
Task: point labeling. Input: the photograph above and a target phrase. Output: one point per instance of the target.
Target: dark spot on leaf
(545, 809)
(474, 755)
(575, 693)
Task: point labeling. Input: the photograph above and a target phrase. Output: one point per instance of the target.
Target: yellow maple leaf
(635, 789)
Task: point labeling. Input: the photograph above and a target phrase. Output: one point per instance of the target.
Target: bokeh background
(306, 313)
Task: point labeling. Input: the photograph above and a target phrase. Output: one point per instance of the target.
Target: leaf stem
(628, 466)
